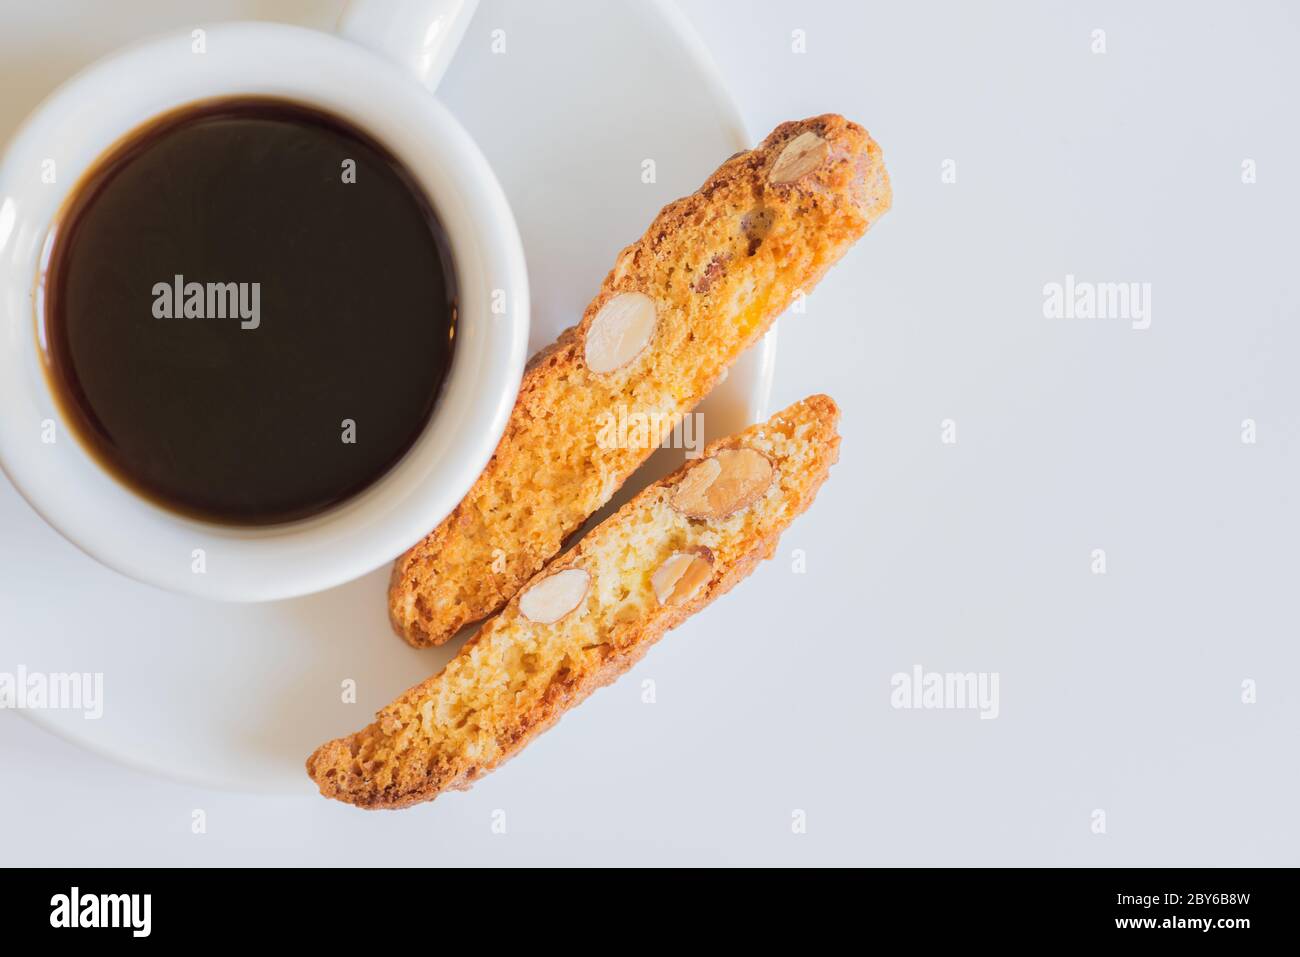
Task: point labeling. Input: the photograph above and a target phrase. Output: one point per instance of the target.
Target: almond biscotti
(590, 615)
(680, 305)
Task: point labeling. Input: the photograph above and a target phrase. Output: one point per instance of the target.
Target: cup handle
(419, 35)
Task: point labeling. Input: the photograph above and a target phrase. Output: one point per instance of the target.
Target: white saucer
(236, 696)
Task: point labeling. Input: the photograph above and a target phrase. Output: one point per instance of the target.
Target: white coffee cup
(378, 73)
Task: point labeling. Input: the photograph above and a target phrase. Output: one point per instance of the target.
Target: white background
(1120, 691)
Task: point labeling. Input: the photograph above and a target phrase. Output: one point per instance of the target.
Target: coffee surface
(249, 311)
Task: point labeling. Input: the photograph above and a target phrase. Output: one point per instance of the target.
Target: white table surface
(1119, 692)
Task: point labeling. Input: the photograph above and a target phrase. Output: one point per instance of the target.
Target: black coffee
(249, 311)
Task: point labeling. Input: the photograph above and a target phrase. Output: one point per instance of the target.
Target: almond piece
(681, 576)
(554, 596)
(723, 484)
(619, 332)
(801, 156)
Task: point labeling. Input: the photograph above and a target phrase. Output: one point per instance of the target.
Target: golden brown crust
(720, 265)
(516, 678)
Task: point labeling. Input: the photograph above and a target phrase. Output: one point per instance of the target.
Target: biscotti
(680, 305)
(590, 615)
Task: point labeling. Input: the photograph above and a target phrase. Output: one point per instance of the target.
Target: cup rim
(73, 493)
